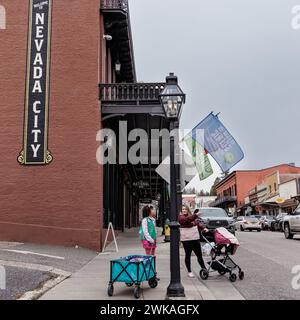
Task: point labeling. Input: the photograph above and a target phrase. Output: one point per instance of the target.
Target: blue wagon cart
(133, 270)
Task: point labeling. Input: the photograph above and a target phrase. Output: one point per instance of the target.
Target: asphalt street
(267, 259)
(20, 280)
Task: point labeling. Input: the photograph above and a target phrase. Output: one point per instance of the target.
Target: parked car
(238, 222)
(266, 222)
(291, 224)
(277, 224)
(214, 218)
(257, 216)
(248, 223)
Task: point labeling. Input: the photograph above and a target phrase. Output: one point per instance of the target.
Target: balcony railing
(223, 200)
(114, 5)
(131, 92)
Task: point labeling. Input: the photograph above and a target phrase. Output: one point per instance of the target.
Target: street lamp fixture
(118, 67)
(172, 99)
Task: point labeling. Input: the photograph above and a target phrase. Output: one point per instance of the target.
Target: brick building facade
(232, 191)
(61, 203)
(71, 200)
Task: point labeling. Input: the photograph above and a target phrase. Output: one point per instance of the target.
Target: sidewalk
(90, 283)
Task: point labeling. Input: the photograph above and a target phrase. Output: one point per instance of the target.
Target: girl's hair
(187, 209)
(146, 211)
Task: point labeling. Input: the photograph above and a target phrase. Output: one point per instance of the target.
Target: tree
(225, 174)
(213, 190)
(190, 190)
(201, 193)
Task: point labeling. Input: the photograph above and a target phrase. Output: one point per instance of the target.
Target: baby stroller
(226, 244)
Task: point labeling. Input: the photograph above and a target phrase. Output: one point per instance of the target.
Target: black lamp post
(172, 99)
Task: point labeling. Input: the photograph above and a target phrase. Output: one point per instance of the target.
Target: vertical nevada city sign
(35, 143)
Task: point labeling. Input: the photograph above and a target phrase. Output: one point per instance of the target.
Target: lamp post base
(175, 290)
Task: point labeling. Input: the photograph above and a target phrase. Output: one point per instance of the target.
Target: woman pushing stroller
(190, 237)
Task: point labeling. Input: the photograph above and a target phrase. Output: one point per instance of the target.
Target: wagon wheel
(110, 290)
(137, 292)
(153, 283)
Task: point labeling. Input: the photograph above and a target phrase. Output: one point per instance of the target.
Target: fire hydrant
(167, 230)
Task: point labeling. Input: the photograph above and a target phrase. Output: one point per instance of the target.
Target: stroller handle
(203, 237)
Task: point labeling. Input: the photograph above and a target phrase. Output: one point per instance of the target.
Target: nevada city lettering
(35, 150)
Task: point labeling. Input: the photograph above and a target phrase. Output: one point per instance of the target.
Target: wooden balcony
(130, 98)
(131, 93)
(114, 5)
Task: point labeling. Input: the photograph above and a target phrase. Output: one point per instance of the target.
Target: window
(297, 211)
(2, 18)
(275, 186)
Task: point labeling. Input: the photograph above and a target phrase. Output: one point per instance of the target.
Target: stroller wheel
(233, 277)
(129, 284)
(203, 274)
(241, 275)
(110, 290)
(137, 292)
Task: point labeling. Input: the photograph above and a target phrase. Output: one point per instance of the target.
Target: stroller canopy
(223, 236)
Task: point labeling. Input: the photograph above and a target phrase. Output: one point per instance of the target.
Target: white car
(291, 224)
(248, 223)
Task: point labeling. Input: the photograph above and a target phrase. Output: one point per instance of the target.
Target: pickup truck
(291, 224)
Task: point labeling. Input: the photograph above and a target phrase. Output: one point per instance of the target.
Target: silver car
(248, 223)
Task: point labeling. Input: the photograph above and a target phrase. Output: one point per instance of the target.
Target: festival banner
(200, 158)
(218, 142)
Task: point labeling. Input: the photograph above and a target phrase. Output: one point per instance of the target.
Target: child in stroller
(226, 244)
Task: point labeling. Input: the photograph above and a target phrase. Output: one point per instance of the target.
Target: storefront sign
(35, 150)
(141, 184)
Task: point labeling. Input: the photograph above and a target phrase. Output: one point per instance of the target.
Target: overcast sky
(237, 57)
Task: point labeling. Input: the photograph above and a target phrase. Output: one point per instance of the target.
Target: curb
(37, 293)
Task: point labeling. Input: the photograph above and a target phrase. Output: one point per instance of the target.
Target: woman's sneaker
(191, 275)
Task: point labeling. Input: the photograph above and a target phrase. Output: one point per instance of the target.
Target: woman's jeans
(189, 247)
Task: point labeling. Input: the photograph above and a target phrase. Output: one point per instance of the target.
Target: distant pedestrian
(148, 232)
(190, 237)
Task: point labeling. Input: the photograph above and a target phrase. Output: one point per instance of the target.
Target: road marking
(33, 253)
(34, 266)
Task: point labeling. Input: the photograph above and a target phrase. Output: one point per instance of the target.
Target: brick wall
(60, 203)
